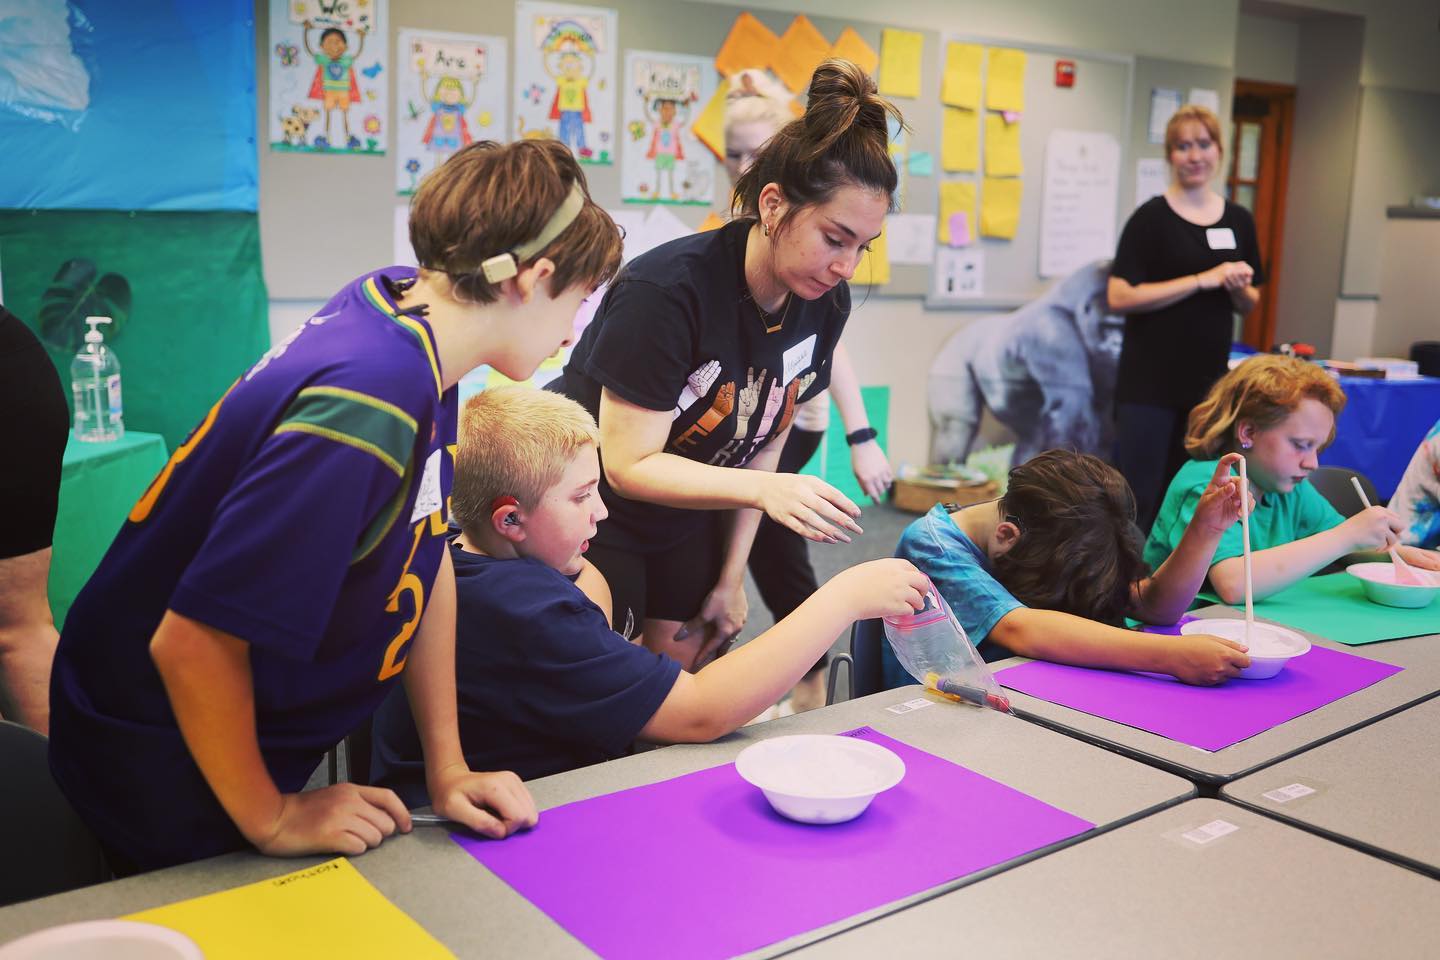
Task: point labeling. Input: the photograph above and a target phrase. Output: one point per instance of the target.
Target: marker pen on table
(962, 693)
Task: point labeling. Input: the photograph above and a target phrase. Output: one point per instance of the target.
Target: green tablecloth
(99, 484)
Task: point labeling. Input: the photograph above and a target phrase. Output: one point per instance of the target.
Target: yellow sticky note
(799, 52)
(709, 126)
(851, 46)
(900, 62)
(749, 44)
(1005, 85)
(325, 911)
(874, 267)
(960, 86)
(1000, 207)
(713, 221)
(959, 140)
(1002, 147)
(957, 210)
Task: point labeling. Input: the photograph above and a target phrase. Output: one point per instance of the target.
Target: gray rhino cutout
(1046, 370)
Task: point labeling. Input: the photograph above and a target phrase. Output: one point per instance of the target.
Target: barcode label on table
(1285, 794)
(1213, 830)
(909, 705)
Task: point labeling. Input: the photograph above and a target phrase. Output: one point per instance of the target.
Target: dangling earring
(1245, 444)
(765, 228)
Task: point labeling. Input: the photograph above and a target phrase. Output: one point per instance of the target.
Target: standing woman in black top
(698, 356)
(1188, 261)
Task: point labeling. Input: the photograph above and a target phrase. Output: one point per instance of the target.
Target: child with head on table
(1052, 569)
(545, 684)
(1279, 413)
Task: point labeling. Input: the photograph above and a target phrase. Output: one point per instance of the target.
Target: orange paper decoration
(851, 46)
(800, 52)
(750, 44)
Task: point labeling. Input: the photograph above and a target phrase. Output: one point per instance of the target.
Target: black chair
(44, 846)
(357, 752)
(1426, 354)
(1334, 485)
(867, 675)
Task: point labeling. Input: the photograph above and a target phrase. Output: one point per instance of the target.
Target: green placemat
(1334, 607)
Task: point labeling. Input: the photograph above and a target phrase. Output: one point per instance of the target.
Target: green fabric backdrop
(199, 309)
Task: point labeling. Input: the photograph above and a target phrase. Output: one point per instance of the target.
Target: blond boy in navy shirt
(544, 683)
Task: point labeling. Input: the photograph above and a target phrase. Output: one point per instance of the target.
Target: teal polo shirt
(1279, 518)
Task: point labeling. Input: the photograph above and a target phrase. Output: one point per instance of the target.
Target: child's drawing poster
(565, 61)
(450, 91)
(662, 160)
(328, 87)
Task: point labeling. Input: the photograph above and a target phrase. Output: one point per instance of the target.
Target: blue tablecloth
(1384, 421)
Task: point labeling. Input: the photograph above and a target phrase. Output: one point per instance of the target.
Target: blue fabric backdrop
(171, 119)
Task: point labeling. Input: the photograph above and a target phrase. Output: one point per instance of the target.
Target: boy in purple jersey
(289, 562)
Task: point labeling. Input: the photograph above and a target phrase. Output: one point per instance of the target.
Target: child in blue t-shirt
(1280, 413)
(1051, 570)
(545, 684)
(288, 564)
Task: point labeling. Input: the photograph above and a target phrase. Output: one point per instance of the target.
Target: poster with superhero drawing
(565, 62)
(450, 90)
(328, 87)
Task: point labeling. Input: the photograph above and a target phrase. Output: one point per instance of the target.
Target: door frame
(1258, 328)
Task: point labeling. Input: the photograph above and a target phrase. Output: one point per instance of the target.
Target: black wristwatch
(862, 435)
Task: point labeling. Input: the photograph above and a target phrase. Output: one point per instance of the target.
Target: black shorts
(36, 425)
(669, 585)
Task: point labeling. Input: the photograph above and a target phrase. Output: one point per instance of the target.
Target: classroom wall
(1322, 162)
(1266, 48)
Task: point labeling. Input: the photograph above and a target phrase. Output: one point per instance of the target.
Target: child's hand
(1374, 528)
(344, 818)
(1205, 660)
(1420, 558)
(494, 805)
(881, 588)
(1222, 501)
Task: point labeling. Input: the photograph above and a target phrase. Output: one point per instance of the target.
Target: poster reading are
(662, 160)
(328, 85)
(565, 62)
(449, 91)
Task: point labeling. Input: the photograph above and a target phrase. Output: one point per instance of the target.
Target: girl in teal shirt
(1279, 413)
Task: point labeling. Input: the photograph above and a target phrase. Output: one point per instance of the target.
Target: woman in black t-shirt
(698, 356)
(1188, 260)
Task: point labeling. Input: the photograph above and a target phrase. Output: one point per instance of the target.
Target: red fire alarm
(1064, 73)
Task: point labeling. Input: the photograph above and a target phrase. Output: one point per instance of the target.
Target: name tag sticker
(428, 499)
(1220, 238)
(1210, 831)
(797, 358)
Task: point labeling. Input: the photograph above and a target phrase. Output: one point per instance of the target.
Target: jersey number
(409, 583)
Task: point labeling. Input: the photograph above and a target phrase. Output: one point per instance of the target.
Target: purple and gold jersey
(306, 515)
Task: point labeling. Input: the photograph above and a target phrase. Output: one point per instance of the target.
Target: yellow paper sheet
(851, 46)
(709, 126)
(1000, 207)
(956, 196)
(900, 62)
(874, 267)
(326, 911)
(713, 221)
(1002, 147)
(960, 86)
(800, 51)
(1005, 85)
(749, 44)
(959, 140)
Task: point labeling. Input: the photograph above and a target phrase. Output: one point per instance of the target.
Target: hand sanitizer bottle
(95, 385)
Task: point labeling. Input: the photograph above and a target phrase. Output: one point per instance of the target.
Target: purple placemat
(1172, 630)
(1210, 718)
(700, 866)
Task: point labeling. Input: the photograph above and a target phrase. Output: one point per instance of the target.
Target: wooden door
(1262, 119)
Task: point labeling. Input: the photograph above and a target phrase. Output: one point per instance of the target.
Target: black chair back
(44, 846)
(1334, 485)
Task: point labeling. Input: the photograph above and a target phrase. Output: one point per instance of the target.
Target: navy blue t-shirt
(543, 684)
(304, 515)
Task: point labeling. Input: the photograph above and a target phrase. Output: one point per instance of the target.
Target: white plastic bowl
(1271, 647)
(1378, 582)
(819, 778)
(111, 939)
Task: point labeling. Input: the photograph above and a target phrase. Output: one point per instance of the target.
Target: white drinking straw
(1403, 572)
(1245, 541)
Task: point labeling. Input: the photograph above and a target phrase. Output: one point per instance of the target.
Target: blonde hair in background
(757, 97)
(1264, 390)
(1192, 113)
(514, 441)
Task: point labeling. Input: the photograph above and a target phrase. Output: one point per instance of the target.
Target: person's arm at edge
(493, 804)
(867, 460)
(596, 588)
